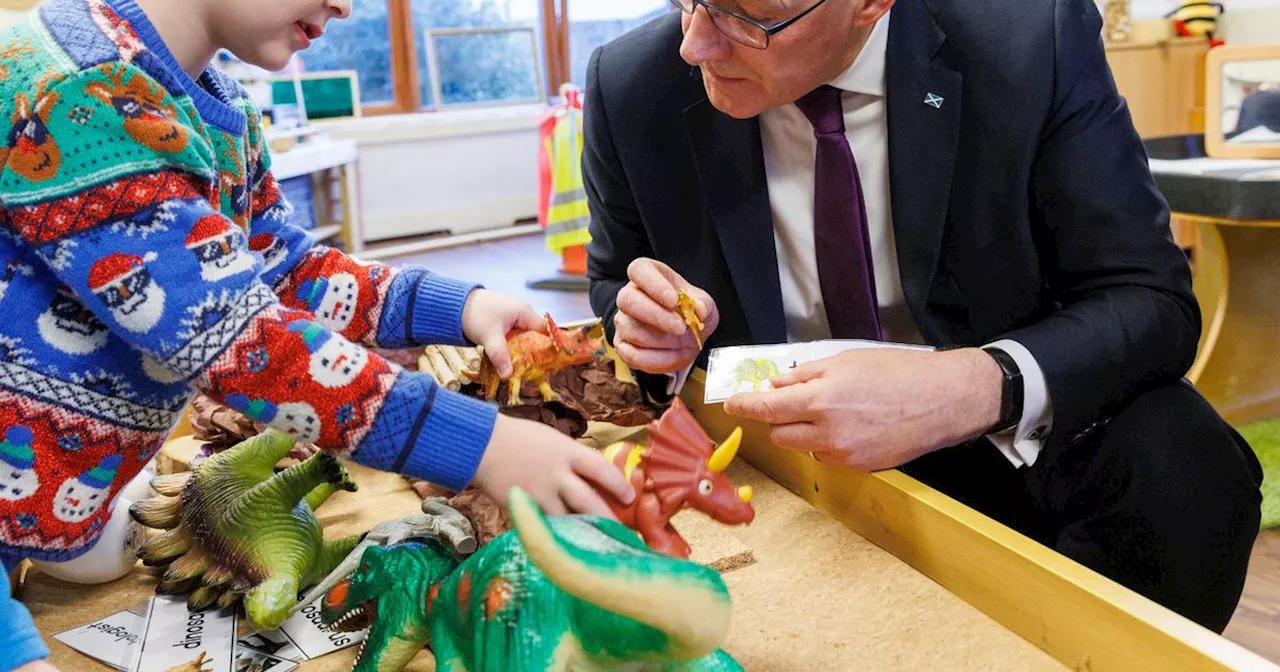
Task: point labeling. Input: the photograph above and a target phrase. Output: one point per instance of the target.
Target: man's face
(742, 81)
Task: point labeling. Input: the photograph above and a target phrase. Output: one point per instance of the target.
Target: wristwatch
(1011, 391)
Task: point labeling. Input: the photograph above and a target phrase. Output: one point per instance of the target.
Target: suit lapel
(923, 133)
(730, 163)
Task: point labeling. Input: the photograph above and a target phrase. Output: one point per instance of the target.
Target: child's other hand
(486, 319)
(560, 474)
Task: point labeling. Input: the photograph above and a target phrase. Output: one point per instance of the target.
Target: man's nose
(702, 40)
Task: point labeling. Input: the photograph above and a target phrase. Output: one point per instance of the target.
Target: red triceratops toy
(680, 468)
(535, 356)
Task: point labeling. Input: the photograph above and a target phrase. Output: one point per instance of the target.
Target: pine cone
(219, 425)
(222, 427)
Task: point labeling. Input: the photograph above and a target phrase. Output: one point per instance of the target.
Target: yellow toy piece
(689, 313)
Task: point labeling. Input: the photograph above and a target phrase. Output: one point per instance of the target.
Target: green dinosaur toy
(569, 593)
(235, 528)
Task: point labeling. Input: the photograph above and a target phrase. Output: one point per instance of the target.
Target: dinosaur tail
(684, 600)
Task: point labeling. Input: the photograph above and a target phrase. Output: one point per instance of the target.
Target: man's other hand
(879, 408)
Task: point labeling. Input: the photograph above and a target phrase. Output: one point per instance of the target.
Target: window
(436, 54)
(482, 51)
(593, 23)
(358, 43)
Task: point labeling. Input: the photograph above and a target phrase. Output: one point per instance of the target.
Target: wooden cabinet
(1163, 82)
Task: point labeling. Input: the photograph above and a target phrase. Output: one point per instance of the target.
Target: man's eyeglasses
(737, 27)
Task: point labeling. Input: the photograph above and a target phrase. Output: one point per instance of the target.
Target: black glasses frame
(769, 31)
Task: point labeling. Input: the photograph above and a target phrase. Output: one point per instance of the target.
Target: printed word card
(112, 640)
(177, 638)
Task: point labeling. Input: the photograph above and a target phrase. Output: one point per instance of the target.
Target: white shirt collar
(866, 73)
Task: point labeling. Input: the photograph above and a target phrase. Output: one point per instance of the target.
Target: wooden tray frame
(1074, 614)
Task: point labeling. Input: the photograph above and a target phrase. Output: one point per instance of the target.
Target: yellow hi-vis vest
(567, 214)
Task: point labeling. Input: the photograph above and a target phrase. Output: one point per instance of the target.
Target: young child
(145, 251)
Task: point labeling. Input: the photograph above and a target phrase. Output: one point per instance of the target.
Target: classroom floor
(505, 265)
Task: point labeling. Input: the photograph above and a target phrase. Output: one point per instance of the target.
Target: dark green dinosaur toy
(238, 529)
(551, 595)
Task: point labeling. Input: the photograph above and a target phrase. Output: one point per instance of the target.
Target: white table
(327, 160)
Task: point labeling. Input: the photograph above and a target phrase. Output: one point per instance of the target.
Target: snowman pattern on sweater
(70, 327)
(217, 246)
(126, 287)
(79, 497)
(272, 248)
(335, 361)
(332, 299)
(18, 476)
(295, 418)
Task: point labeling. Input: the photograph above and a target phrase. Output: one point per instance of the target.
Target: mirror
(1242, 102)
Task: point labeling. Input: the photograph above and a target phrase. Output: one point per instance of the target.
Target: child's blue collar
(211, 99)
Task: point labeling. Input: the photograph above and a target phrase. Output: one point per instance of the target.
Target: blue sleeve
(20, 642)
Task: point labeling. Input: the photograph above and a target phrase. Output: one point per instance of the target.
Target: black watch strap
(1011, 396)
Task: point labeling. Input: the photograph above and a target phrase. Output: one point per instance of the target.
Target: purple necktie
(840, 223)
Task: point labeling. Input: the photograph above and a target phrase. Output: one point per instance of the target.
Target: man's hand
(878, 408)
(486, 319)
(648, 332)
(562, 475)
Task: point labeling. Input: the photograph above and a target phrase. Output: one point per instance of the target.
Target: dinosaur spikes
(216, 576)
(203, 598)
(189, 566)
(170, 485)
(163, 549)
(228, 599)
(176, 587)
(676, 463)
(163, 513)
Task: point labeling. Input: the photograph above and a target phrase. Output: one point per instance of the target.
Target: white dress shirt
(789, 156)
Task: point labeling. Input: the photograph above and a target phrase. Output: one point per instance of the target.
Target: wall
(1147, 9)
(459, 171)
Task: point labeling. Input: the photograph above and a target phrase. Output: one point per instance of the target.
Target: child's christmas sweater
(146, 251)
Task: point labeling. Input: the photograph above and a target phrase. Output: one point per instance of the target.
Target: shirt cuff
(426, 431)
(1021, 445)
(452, 440)
(435, 313)
(678, 379)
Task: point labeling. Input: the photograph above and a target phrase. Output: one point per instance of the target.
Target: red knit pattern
(64, 216)
(65, 446)
(270, 360)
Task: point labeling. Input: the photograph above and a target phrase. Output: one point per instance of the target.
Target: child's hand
(559, 473)
(486, 319)
(37, 666)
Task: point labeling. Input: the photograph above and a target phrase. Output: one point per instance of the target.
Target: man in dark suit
(957, 173)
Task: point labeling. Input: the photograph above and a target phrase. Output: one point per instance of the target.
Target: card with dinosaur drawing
(751, 368)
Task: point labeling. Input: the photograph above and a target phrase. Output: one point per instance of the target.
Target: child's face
(267, 34)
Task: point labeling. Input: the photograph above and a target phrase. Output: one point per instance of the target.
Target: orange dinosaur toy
(535, 356)
(680, 468)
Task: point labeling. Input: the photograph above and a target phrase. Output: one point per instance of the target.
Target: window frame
(405, 72)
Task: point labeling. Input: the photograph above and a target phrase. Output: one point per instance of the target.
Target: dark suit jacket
(1023, 208)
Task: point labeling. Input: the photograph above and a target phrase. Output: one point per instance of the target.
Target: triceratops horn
(557, 339)
(725, 452)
